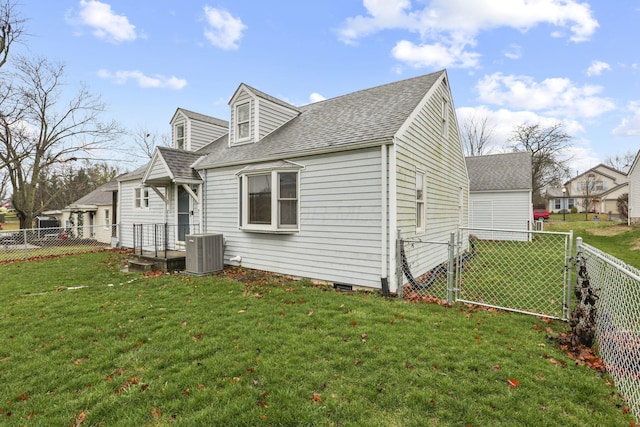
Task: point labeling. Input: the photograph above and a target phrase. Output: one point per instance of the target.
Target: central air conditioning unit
(205, 253)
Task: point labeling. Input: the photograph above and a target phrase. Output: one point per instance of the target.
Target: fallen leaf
(310, 313)
(363, 338)
(513, 383)
(79, 361)
(196, 338)
(155, 413)
(235, 380)
(496, 367)
(352, 324)
(186, 392)
(31, 415)
(80, 418)
(316, 397)
(357, 362)
(626, 410)
(23, 397)
(242, 311)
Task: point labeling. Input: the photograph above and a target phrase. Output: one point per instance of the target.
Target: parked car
(542, 214)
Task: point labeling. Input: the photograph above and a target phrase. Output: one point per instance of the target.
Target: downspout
(203, 204)
(384, 267)
(392, 217)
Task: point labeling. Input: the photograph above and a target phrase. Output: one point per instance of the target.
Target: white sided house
(634, 192)
(321, 191)
(500, 192)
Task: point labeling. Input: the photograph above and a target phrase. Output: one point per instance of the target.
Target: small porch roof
(170, 165)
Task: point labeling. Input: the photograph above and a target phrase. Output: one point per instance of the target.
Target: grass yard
(615, 238)
(83, 344)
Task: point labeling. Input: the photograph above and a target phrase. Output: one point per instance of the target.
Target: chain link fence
(523, 271)
(33, 243)
(617, 318)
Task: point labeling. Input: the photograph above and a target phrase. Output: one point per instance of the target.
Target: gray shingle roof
(508, 171)
(179, 163)
(100, 196)
(204, 118)
(367, 116)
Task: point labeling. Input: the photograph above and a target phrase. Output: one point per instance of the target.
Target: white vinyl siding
(506, 210)
(422, 147)
(155, 214)
(196, 133)
(340, 221)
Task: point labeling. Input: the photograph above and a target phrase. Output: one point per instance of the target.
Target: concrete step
(141, 265)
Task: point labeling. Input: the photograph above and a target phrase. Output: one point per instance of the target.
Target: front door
(184, 213)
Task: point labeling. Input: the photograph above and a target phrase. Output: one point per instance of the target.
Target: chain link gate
(522, 271)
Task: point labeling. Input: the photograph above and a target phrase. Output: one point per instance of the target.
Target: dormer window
(180, 136)
(243, 122)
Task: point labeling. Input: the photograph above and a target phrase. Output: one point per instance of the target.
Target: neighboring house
(500, 191)
(320, 191)
(634, 191)
(596, 190)
(92, 216)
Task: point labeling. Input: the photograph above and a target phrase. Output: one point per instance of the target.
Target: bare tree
(476, 135)
(547, 146)
(146, 141)
(588, 188)
(11, 28)
(39, 129)
(621, 162)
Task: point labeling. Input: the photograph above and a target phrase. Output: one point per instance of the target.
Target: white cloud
(451, 27)
(630, 125)
(223, 30)
(434, 55)
(316, 97)
(554, 96)
(514, 51)
(597, 67)
(144, 81)
(104, 22)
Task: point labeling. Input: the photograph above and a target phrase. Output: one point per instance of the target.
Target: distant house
(634, 191)
(596, 190)
(321, 191)
(93, 216)
(500, 191)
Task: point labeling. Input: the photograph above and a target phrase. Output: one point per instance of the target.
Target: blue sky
(512, 61)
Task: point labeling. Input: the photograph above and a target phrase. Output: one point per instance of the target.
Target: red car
(542, 214)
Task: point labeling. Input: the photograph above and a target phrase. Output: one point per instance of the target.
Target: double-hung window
(420, 201)
(141, 198)
(180, 136)
(243, 122)
(269, 201)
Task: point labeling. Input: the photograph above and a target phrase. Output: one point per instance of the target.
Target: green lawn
(615, 238)
(83, 344)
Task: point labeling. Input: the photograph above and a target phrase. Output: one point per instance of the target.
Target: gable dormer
(254, 115)
(191, 131)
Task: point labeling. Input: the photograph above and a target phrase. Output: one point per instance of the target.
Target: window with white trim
(180, 138)
(141, 198)
(445, 117)
(420, 200)
(107, 219)
(243, 122)
(269, 201)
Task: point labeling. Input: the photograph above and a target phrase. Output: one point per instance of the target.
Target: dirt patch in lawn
(609, 231)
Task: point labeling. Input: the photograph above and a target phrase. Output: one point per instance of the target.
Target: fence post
(451, 268)
(25, 243)
(567, 269)
(399, 274)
